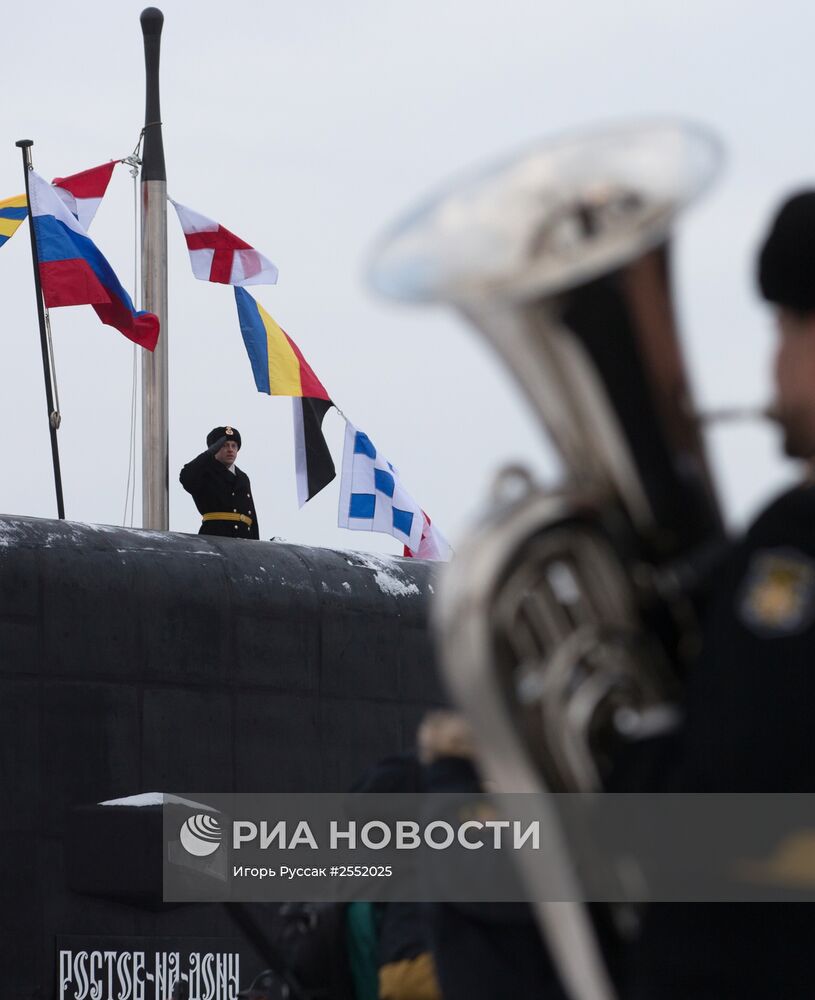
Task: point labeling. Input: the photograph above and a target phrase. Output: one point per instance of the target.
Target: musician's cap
(786, 262)
(230, 433)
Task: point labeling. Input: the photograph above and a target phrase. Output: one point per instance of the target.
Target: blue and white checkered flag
(371, 496)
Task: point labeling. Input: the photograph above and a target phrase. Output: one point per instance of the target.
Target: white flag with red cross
(218, 255)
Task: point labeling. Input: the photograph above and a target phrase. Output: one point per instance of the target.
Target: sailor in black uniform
(221, 491)
(750, 707)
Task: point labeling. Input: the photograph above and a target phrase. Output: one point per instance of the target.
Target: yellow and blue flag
(12, 212)
(277, 364)
(281, 370)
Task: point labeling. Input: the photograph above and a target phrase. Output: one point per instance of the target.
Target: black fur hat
(230, 433)
(786, 263)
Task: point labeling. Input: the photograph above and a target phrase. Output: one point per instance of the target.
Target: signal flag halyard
(12, 213)
(280, 369)
(74, 272)
(218, 255)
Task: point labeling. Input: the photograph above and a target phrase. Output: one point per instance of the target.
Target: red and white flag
(433, 544)
(82, 193)
(218, 255)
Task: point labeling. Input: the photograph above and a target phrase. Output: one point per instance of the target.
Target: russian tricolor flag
(73, 272)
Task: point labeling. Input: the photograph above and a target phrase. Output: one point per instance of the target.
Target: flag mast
(45, 339)
(155, 422)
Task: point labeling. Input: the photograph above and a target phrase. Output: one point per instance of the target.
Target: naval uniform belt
(222, 515)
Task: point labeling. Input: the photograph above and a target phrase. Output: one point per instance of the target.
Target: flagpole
(155, 388)
(48, 374)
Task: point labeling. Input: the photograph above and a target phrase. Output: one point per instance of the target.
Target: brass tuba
(567, 617)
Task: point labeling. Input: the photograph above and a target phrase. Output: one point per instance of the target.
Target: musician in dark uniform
(221, 491)
(750, 707)
(749, 726)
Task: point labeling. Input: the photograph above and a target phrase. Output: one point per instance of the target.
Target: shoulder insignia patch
(778, 594)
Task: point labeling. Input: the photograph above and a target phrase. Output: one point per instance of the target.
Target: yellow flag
(12, 212)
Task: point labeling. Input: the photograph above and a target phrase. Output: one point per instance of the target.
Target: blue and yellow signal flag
(12, 212)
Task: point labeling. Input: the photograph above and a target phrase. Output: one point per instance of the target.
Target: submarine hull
(136, 661)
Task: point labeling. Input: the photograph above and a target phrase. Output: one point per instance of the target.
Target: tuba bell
(567, 618)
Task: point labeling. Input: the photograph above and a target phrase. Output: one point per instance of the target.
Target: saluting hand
(216, 446)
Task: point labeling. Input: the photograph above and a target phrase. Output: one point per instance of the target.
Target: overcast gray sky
(306, 129)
